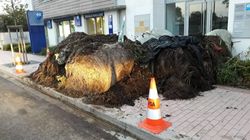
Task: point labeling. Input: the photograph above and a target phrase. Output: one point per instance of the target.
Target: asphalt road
(26, 114)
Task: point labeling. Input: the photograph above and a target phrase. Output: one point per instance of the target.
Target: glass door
(95, 25)
(196, 18)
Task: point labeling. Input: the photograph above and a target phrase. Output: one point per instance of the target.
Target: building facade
(63, 17)
(181, 17)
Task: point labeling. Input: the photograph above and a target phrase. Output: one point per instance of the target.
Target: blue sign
(35, 18)
(36, 30)
(110, 24)
(248, 7)
(49, 24)
(78, 20)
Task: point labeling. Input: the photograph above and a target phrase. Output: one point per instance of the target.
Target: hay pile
(111, 74)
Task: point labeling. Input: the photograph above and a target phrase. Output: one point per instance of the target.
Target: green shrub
(234, 72)
(15, 47)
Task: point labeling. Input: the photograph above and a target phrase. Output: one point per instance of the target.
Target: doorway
(95, 25)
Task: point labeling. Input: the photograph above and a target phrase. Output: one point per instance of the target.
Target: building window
(197, 18)
(175, 18)
(65, 28)
(220, 15)
(95, 25)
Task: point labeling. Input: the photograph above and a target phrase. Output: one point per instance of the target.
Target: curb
(95, 110)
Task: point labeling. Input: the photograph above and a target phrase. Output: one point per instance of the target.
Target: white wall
(155, 8)
(159, 14)
(52, 34)
(137, 7)
(115, 16)
(240, 44)
(5, 39)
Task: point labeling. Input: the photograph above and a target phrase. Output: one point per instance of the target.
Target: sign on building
(241, 20)
(36, 30)
(142, 24)
(110, 24)
(49, 24)
(78, 20)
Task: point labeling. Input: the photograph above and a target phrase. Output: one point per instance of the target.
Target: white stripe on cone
(19, 67)
(154, 114)
(153, 94)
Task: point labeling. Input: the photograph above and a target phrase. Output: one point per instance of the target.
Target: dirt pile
(111, 74)
(86, 64)
(179, 65)
(125, 91)
(97, 71)
(185, 66)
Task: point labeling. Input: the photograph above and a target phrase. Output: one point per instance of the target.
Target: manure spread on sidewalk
(108, 73)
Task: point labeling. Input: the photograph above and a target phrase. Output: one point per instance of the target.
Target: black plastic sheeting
(181, 64)
(156, 45)
(167, 42)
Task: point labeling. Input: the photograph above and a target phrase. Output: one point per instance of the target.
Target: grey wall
(55, 8)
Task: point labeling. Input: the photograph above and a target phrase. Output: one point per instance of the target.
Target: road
(26, 114)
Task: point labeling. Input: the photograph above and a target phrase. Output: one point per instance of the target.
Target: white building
(181, 17)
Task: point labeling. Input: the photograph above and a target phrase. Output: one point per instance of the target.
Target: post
(25, 56)
(121, 34)
(11, 46)
(18, 40)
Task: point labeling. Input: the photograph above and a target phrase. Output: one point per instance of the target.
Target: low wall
(5, 39)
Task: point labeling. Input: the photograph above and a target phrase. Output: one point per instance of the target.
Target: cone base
(20, 71)
(155, 126)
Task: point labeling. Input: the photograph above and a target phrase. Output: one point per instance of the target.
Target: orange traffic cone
(19, 66)
(154, 122)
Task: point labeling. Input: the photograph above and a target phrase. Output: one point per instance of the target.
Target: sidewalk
(222, 113)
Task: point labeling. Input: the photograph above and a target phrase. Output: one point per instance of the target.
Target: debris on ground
(106, 73)
(166, 116)
(231, 107)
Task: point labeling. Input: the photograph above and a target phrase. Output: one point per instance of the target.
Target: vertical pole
(24, 46)
(121, 34)
(95, 26)
(18, 41)
(11, 46)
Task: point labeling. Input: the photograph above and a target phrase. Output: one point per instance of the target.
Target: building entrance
(95, 25)
(191, 17)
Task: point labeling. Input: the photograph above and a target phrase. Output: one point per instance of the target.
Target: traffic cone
(19, 66)
(154, 122)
